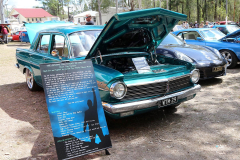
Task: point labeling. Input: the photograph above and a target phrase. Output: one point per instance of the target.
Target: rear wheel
(32, 85)
(230, 57)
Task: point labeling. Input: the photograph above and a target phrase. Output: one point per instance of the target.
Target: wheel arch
(231, 50)
(25, 69)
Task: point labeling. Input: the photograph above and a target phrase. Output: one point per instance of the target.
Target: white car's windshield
(232, 28)
(81, 42)
(212, 34)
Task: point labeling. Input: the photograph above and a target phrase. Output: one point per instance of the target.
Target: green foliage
(104, 6)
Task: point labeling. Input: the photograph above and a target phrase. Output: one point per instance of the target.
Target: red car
(229, 22)
(15, 36)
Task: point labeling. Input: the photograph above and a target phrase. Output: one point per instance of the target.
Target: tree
(99, 11)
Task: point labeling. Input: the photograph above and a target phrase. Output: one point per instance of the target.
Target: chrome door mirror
(55, 53)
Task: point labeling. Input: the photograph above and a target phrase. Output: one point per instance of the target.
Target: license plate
(217, 69)
(167, 101)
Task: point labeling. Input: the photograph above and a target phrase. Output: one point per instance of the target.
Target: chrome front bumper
(119, 108)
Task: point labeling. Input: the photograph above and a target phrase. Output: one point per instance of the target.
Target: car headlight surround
(183, 57)
(195, 76)
(118, 90)
(217, 53)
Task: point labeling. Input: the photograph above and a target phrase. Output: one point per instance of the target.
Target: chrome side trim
(157, 81)
(119, 108)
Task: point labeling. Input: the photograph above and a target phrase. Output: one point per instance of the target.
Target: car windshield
(232, 28)
(81, 42)
(171, 39)
(212, 34)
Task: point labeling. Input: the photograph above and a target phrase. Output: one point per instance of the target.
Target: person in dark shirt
(88, 19)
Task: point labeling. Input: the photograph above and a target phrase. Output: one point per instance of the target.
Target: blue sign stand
(77, 118)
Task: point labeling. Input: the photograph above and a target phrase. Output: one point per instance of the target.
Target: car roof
(73, 28)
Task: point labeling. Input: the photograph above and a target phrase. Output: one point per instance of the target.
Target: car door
(15, 36)
(40, 53)
(58, 45)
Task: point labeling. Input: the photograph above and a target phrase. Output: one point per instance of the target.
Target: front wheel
(32, 85)
(230, 57)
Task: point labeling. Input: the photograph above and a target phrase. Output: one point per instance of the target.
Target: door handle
(30, 55)
(45, 58)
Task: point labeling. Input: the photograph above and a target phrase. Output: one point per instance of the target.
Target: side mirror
(55, 53)
(199, 38)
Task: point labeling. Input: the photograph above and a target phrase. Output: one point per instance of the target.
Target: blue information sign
(77, 118)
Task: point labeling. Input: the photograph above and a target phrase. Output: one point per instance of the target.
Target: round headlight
(195, 75)
(118, 90)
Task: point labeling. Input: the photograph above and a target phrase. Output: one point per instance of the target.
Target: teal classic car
(116, 50)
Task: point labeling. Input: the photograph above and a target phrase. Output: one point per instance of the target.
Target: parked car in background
(16, 35)
(24, 37)
(227, 29)
(208, 60)
(228, 23)
(228, 45)
(9, 37)
(127, 41)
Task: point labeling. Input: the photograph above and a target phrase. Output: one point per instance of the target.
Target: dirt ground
(206, 127)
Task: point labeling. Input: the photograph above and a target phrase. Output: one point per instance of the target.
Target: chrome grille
(148, 90)
(157, 89)
(179, 83)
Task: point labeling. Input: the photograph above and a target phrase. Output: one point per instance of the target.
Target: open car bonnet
(233, 35)
(135, 31)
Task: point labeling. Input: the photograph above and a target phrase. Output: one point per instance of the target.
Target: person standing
(89, 20)
(4, 33)
(196, 25)
(206, 25)
(201, 25)
(186, 25)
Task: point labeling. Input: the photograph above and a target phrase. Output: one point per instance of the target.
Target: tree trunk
(170, 5)
(205, 10)
(167, 5)
(182, 8)
(176, 1)
(198, 13)
(215, 10)
(160, 3)
(234, 7)
(116, 6)
(132, 5)
(140, 4)
(2, 11)
(99, 11)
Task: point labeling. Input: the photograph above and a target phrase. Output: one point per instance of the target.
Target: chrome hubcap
(29, 79)
(228, 57)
